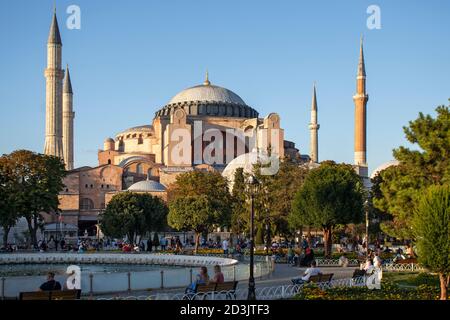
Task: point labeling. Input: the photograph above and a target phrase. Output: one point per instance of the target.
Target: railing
(407, 267)
(265, 293)
(106, 283)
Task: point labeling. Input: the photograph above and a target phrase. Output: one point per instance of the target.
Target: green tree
(38, 181)
(431, 226)
(402, 185)
(282, 188)
(205, 183)
(197, 213)
(240, 207)
(133, 214)
(331, 194)
(8, 210)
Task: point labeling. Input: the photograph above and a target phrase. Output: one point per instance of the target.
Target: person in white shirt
(312, 271)
(225, 246)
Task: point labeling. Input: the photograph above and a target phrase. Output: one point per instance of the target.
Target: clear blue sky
(131, 57)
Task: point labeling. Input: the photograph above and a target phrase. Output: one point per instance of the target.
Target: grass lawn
(394, 286)
(411, 279)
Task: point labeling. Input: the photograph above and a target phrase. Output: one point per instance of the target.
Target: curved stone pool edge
(115, 258)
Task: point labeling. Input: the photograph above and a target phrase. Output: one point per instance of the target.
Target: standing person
(149, 245)
(51, 284)
(178, 246)
(163, 243)
(290, 255)
(225, 246)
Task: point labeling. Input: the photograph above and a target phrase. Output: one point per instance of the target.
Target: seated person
(312, 271)
(368, 267)
(410, 252)
(51, 283)
(201, 278)
(218, 275)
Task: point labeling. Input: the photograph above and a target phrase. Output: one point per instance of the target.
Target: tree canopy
(401, 186)
(332, 194)
(37, 181)
(431, 227)
(199, 201)
(133, 214)
(8, 185)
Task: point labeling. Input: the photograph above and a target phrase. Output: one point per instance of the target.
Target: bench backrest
(358, 273)
(226, 286)
(323, 277)
(65, 295)
(326, 277)
(39, 295)
(206, 287)
(407, 261)
(314, 279)
(51, 295)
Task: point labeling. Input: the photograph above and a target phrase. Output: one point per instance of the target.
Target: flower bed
(388, 291)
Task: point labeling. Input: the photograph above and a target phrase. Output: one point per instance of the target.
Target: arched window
(140, 140)
(109, 161)
(121, 146)
(86, 204)
(139, 169)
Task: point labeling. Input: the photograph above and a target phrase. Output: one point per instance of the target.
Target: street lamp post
(251, 279)
(367, 227)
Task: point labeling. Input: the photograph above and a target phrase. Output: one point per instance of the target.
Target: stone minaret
(360, 99)
(67, 124)
(53, 106)
(314, 128)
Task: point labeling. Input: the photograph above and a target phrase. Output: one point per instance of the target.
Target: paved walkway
(281, 276)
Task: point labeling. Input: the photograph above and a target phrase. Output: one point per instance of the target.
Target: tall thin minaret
(314, 129)
(360, 99)
(53, 107)
(67, 124)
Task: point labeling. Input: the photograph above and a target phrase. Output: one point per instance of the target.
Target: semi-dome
(145, 128)
(247, 162)
(147, 186)
(383, 167)
(208, 100)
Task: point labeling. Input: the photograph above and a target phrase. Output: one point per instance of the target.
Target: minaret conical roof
(67, 87)
(361, 64)
(54, 36)
(314, 99)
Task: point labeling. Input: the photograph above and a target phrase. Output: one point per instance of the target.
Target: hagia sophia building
(148, 158)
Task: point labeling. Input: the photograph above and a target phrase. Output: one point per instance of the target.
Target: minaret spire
(53, 106)
(54, 36)
(206, 83)
(361, 64)
(67, 124)
(314, 129)
(360, 99)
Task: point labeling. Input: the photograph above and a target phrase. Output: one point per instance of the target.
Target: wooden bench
(227, 288)
(51, 295)
(321, 277)
(406, 261)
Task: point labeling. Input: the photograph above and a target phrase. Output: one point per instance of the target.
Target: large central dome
(207, 93)
(208, 100)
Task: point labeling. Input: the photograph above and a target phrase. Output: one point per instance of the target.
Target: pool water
(17, 270)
